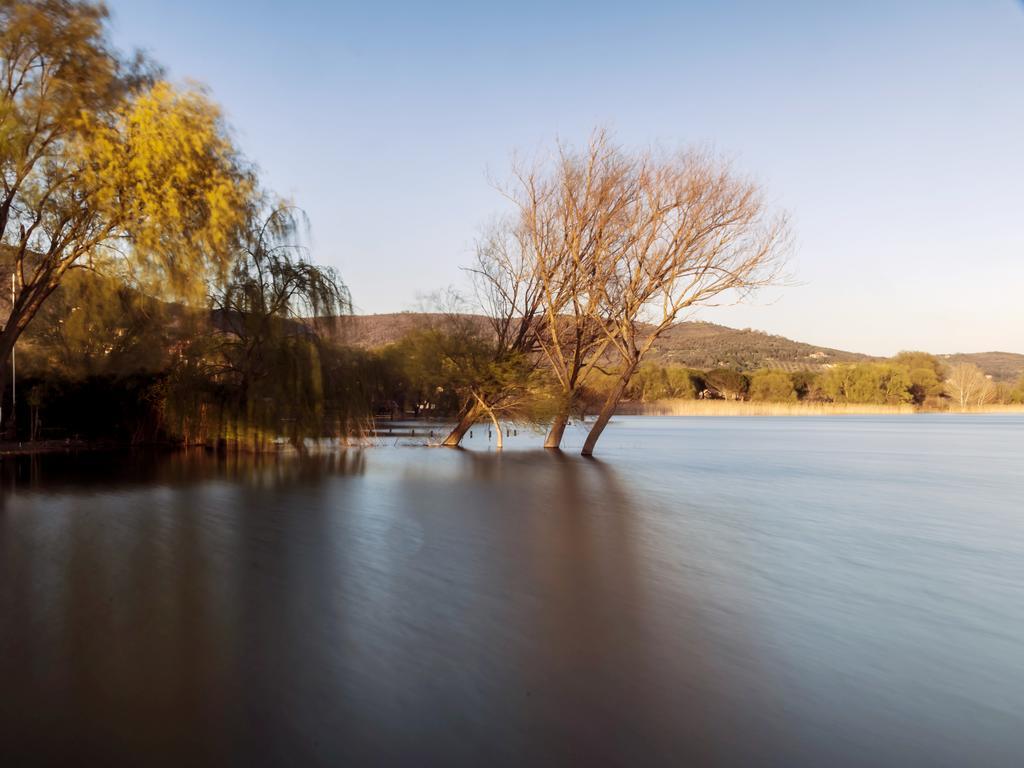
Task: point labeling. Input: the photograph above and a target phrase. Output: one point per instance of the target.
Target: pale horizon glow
(891, 132)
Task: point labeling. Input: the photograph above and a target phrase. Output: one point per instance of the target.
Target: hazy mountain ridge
(697, 345)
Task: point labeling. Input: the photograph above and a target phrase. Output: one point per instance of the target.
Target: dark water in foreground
(813, 591)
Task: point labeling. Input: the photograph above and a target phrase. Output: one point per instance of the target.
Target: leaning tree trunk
(554, 438)
(494, 420)
(608, 410)
(469, 416)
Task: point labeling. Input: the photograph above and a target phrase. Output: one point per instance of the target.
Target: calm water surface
(817, 591)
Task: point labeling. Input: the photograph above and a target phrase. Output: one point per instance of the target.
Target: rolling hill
(698, 345)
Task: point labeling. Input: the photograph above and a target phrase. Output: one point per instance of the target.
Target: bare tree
(967, 385)
(617, 245)
(574, 219)
(697, 234)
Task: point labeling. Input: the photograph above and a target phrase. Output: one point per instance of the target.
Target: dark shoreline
(25, 448)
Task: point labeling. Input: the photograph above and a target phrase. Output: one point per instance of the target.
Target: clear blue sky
(892, 131)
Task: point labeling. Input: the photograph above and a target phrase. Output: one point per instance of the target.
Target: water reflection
(143, 468)
(432, 606)
(253, 610)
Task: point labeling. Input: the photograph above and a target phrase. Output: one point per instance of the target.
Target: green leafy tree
(772, 385)
(867, 383)
(1017, 393)
(837, 383)
(727, 383)
(93, 325)
(805, 384)
(650, 383)
(926, 373)
(510, 292)
(494, 379)
(682, 382)
(894, 382)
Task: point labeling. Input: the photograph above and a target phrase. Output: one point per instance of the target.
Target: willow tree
(694, 234)
(271, 315)
(104, 166)
(94, 325)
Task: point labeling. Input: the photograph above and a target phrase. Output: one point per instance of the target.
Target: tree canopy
(106, 166)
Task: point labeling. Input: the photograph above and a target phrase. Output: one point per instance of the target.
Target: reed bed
(994, 408)
(745, 408)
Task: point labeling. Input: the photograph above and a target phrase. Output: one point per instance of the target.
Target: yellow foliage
(164, 168)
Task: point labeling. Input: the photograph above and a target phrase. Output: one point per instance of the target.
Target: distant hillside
(706, 346)
(693, 344)
(1001, 366)
(697, 345)
(372, 331)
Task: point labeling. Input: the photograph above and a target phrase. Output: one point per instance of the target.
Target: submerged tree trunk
(554, 438)
(608, 410)
(469, 416)
(494, 420)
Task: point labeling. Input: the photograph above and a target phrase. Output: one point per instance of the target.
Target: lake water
(790, 592)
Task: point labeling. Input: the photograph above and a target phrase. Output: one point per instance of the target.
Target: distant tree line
(914, 378)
